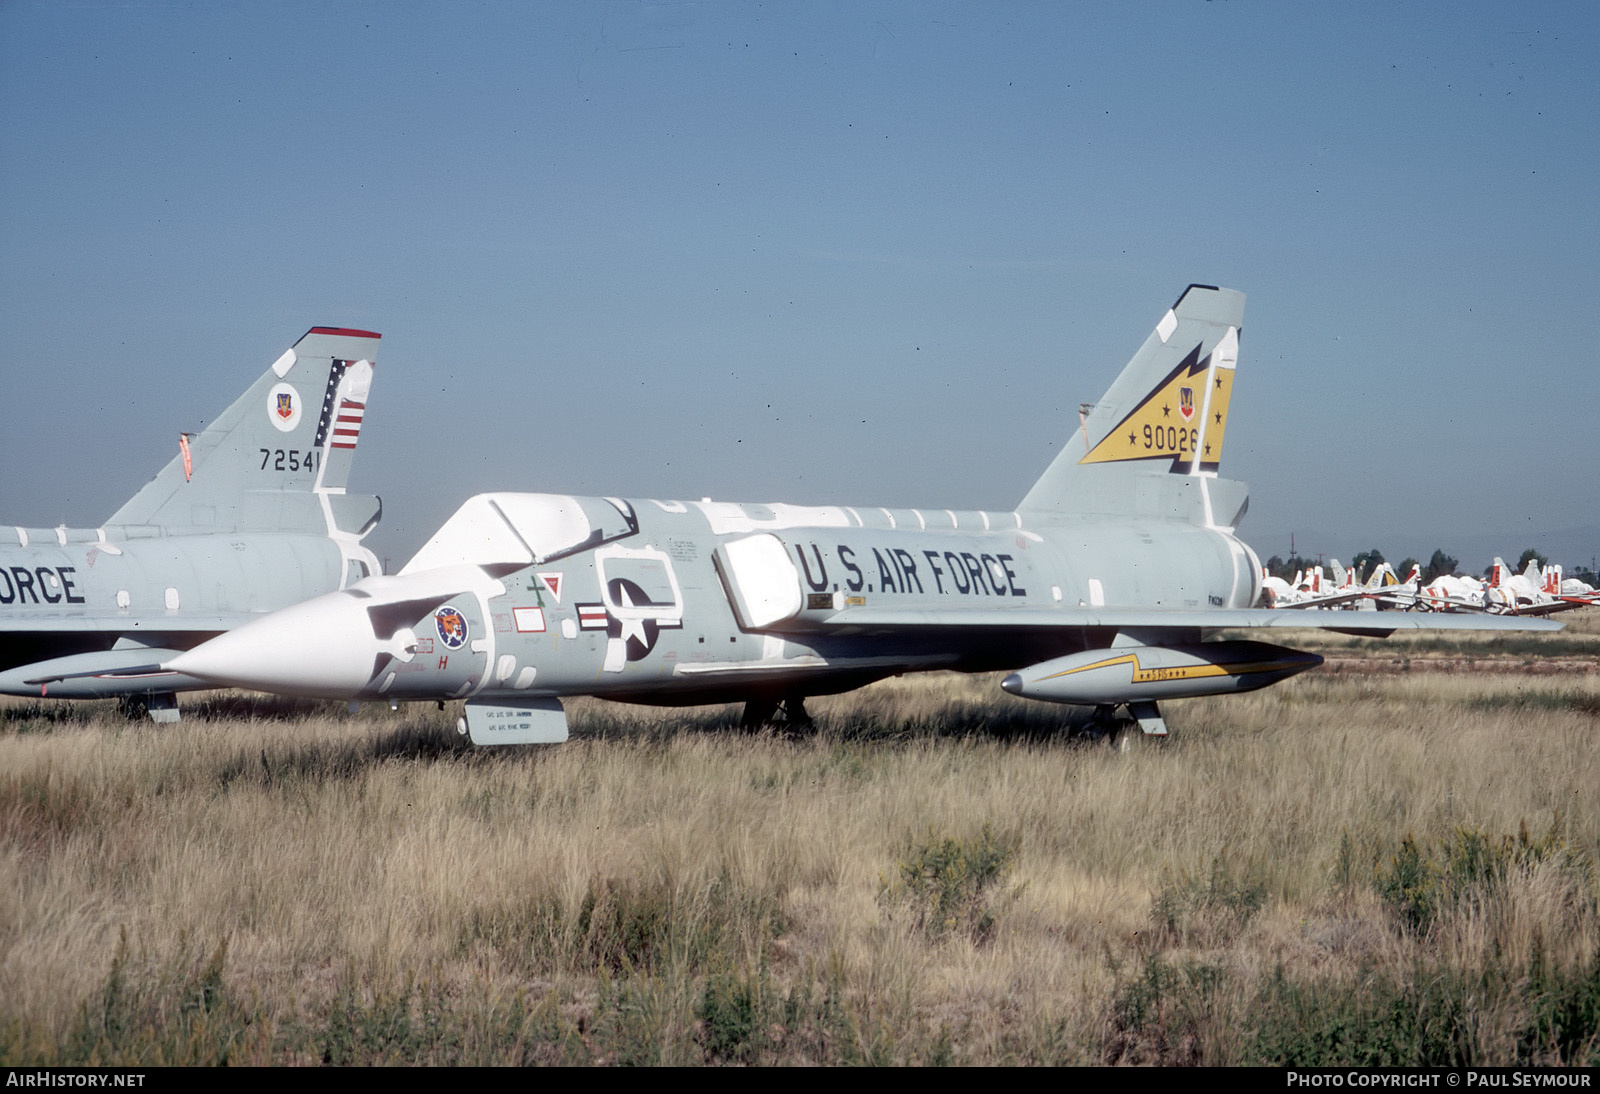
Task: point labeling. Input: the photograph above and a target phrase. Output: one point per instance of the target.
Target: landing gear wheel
(762, 714)
(758, 715)
(160, 707)
(796, 720)
(1102, 724)
(1125, 728)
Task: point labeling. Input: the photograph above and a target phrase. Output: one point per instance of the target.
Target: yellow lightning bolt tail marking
(1157, 428)
(1184, 417)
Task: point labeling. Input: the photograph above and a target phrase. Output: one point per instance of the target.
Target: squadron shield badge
(283, 407)
(452, 627)
(1186, 402)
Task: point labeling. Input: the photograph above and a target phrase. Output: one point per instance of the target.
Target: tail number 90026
(1170, 438)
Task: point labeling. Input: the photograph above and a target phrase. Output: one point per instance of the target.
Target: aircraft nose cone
(323, 648)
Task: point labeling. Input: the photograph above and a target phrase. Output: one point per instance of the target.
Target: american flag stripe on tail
(347, 425)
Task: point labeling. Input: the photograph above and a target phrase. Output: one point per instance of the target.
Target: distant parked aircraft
(1536, 591)
(1310, 590)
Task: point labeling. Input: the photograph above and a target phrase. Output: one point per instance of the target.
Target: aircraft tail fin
(1342, 578)
(1551, 582)
(278, 458)
(1152, 444)
(1498, 573)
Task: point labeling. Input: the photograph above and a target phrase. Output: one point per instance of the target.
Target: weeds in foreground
(1419, 882)
(945, 883)
(177, 1012)
(651, 893)
(1438, 1016)
(1209, 909)
(1166, 1013)
(187, 1015)
(1564, 1023)
(628, 927)
(1436, 1013)
(1425, 1021)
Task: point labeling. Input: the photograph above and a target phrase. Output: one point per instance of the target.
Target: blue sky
(868, 253)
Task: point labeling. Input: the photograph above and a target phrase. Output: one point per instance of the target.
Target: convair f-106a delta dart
(1103, 587)
(250, 516)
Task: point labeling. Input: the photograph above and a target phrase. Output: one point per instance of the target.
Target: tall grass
(1343, 868)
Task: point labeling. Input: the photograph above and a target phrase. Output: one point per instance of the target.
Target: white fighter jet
(1105, 585)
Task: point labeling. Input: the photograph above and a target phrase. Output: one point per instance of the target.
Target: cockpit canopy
(509, 531)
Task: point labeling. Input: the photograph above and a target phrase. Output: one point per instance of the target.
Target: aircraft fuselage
(673, 602)
(69, 592)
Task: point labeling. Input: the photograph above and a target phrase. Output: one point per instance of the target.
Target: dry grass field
(1388, 860)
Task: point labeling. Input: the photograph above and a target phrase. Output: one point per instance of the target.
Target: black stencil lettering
(819, 582)
(976, 570)
(886, 580)
(846, 556)
(908, 570)
(958, 575)
(1011, 577)
(990, 566)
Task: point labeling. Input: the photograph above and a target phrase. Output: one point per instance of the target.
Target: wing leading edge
(1374, 623)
